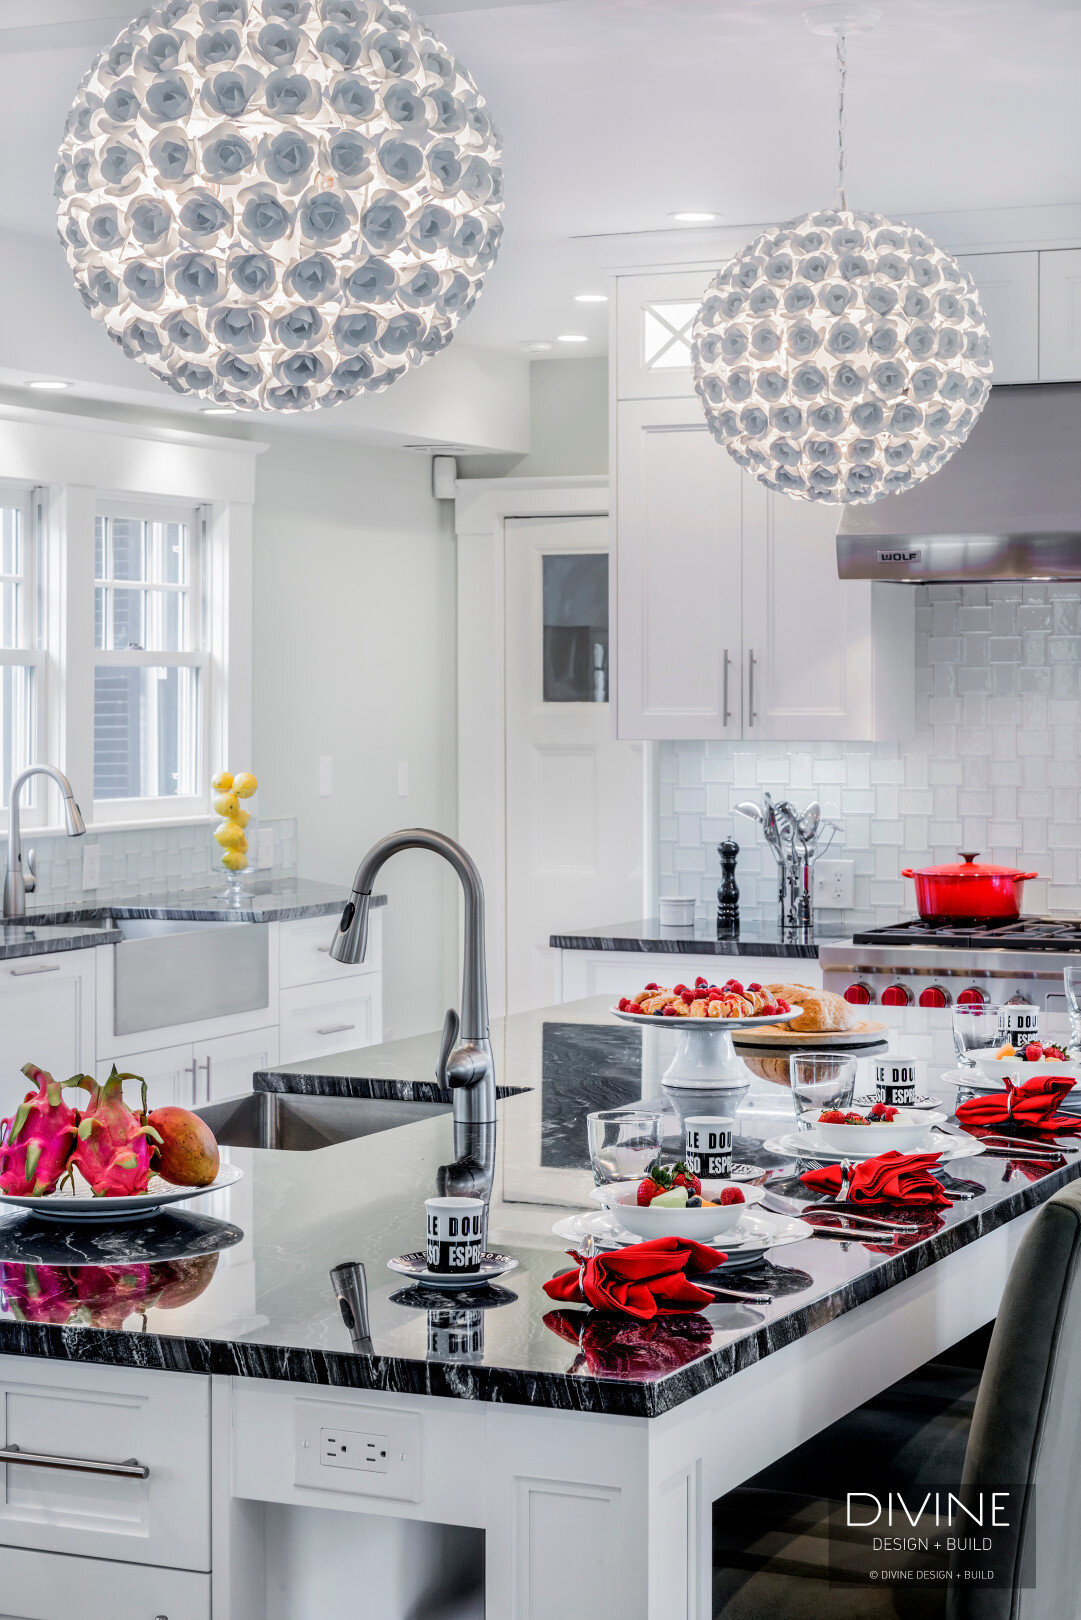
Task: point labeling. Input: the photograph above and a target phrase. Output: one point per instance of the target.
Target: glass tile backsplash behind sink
(994, 767)
(141, 860)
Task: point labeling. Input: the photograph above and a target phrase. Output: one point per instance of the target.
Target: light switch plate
(264, 849)
(834, 885)
(91, 865)
(326, 775)
(334, 1441)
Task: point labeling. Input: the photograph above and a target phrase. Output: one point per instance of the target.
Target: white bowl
(1018, 1068)
(905, 1133)
(647, 1221)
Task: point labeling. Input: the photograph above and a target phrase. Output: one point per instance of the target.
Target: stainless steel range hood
(1006, 506)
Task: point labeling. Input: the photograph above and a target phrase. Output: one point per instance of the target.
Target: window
(20, 654)
(666, 335)
(150, 663)
(575, 627)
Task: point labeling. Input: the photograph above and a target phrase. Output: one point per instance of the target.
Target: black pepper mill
(727, 890)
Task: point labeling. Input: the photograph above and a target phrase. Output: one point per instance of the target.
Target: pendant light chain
(842, 85)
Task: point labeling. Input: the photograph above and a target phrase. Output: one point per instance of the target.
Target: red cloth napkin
(619, 1348)
(891, 1178)
(644, 1281)
(1030, 1106)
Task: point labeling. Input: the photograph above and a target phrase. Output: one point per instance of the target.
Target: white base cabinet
(205, 1071)
(50, 1586)
(46, 1017)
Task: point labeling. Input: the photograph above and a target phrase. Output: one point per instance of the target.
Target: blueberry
(694, 1203)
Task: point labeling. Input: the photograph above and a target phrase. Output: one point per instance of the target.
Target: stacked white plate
(753, 1237)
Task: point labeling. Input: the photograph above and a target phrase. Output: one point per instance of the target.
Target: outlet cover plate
(834, 885)
(91, 866)
(317, 1422)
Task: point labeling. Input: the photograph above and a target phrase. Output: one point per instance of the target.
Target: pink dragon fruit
(114, 1145)
(37, 1293)
(36, 1143)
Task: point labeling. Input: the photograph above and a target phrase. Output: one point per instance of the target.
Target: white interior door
(574, 796)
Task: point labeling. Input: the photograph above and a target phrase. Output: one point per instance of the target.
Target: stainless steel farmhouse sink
(268, 1119)
(170, 972)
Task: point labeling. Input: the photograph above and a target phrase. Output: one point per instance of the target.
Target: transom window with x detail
(666, 335)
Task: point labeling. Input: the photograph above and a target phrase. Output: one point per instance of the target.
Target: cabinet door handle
(335, 1029)
(132, 1469)
(751, 716)
(20, 973)
(204, 1065)
(726, 712)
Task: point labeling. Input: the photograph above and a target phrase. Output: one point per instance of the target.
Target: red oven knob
(897, 995)
(972, 997)
(859, 995)
(934, 996)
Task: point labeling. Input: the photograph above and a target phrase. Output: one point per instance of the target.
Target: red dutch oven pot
(967, 892)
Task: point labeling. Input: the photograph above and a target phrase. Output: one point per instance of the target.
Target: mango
(188, 1155)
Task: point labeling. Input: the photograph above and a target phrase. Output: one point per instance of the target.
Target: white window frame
(33, 656)
(172, 806)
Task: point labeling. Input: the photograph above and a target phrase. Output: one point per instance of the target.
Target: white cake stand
(704, 1053)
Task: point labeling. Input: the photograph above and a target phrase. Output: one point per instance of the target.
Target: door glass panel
(575, 627)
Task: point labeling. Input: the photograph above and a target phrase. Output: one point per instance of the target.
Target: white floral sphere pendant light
(279, 204)
(841, 356)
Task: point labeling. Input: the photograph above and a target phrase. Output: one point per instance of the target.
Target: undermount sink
(269, 1119)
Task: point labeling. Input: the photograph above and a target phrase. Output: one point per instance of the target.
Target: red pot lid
(969, 867)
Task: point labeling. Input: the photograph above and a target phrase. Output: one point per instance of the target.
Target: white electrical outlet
(348, 1448)
(834, 885)
(91, 865)
(264, 849)
(326, 776)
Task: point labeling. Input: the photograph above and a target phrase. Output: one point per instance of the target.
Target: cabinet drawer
(51, 1586)
(112, 1415)
(305, 950)
(319, 1019)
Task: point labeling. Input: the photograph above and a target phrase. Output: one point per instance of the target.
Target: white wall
(354, 631)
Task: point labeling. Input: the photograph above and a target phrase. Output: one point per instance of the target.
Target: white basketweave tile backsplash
(141, 861)
(994, 767)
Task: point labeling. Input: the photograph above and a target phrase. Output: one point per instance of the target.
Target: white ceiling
(617, 112)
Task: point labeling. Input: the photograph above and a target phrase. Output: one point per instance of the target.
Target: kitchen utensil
(968, 890)
(65, 1206)
(900, 1134)
(704, 1054)
(751, 811)
(623, 1142)
(808, 822)
(820, 1080)
(724, 1292)
(657, 1221)
(415, 1267)
(855, 1213)
(728, 890)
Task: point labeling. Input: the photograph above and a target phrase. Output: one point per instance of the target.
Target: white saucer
(756, 1234)
(869, 1101)
(808, 1145)
(415, 1267)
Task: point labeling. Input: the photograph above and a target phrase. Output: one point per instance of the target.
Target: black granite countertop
(701, 939)
(275, 900)
(37, 939)
(243, 1286)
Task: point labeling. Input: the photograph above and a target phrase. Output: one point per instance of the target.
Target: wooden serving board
(867, 1034)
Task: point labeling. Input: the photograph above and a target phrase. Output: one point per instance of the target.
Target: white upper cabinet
(677, 576)
(1060, 315)
(1008, 285)
(654, 317)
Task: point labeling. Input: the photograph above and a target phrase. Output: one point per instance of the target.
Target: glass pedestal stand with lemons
(235, 834)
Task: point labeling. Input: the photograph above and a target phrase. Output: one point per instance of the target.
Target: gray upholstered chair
(1017, 1420)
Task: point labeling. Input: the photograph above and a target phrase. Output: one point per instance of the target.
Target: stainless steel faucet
(17, 882)
(465, 1064)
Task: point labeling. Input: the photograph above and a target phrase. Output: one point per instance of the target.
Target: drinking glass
(623, 1142)
(820, 1080)
(975, 1030)
(1072, 976)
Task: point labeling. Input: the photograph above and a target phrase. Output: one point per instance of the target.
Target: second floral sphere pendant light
(841, 356)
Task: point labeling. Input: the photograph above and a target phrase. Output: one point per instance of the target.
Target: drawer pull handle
(335, 1029)
(74, 1465)
(18, 973)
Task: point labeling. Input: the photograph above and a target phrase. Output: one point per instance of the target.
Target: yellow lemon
(227, 805)
(230, 835)
(241, 817)
(222, 782)
(234, 860)
(244, 785)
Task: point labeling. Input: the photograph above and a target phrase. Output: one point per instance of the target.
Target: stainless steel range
(917, 964)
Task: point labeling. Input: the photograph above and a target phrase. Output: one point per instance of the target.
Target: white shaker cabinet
(731, 621)
(1008, 285)
(168, 1071)
(46, 1017)
(1060, 315)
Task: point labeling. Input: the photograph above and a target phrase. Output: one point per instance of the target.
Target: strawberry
(781, 1005)
(1033, 1052)
(653, 985)
(831, 1116)
(648, 1190)
(670, 1011)
(701, 981)
(734, 984)
(684, 1178)
(754, 986)
(681, 989)
(732, 1195)
(625, 1005)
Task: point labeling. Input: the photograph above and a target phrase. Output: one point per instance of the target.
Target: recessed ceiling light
(591, 298)
(47, 383)
(694, 217)
(535, 346)
(218, 410)
(572, 337)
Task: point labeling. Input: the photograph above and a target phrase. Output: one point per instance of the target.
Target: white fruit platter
(704, 1053)
(80, 1205)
